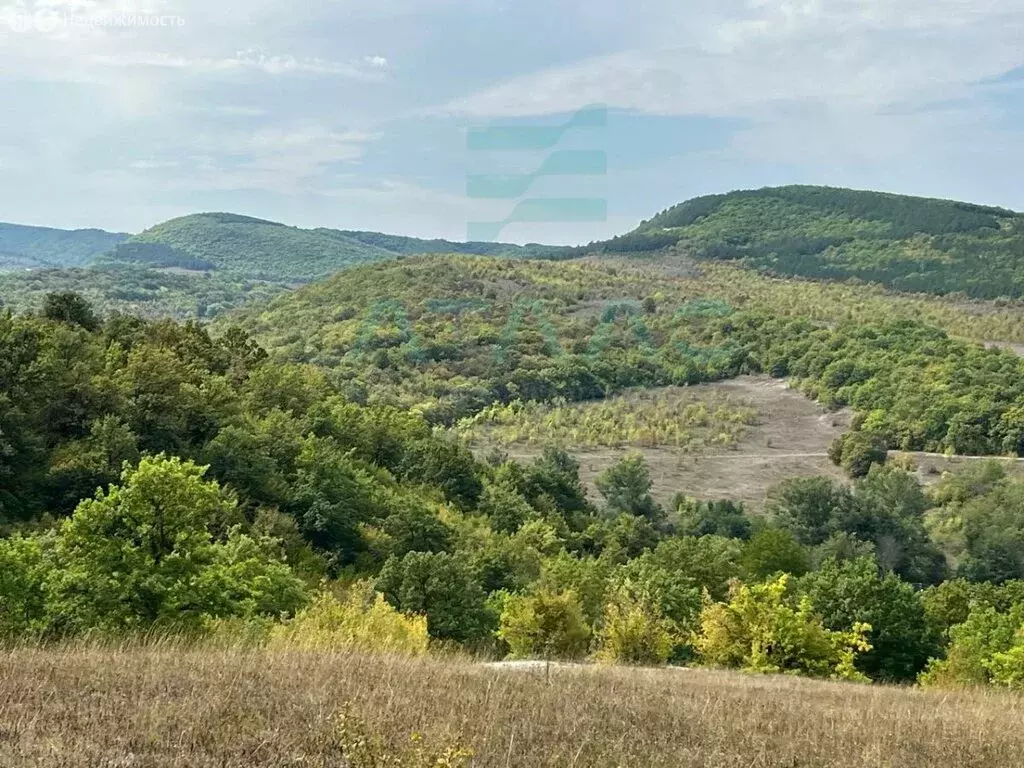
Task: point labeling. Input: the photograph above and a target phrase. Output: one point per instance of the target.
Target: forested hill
(266, 250)
(24, 247)
(904, 243)
(445, 337)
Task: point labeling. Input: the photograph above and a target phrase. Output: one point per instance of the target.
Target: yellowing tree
(635, 631)
(546, 625)
(362, 620)
(762, 629)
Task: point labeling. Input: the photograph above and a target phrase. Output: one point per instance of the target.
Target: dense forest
(903, 243)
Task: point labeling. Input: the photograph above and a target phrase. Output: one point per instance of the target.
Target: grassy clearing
(694, 419)
(166, 706)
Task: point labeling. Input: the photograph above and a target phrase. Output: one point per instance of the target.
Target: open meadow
(164, 707)
(756, 432)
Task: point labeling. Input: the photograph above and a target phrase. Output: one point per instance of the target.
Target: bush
(856, 452)
(635, 631)
(762, 629)
(361, 620)
(545, 625)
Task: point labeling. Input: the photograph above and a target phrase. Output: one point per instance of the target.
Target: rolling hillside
(449, 336)
(903, 243)
(266, 250)
(200, 265)
(24, 247)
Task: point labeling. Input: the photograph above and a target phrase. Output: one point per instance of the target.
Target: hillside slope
(23, 247)
(266, 250)
(448, 336)
(903, 243)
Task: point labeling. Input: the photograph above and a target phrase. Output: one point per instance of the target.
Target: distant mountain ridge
(25, 247)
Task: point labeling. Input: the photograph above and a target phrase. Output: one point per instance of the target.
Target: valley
(286, 463)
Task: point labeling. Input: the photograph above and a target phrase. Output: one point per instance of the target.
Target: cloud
(746, 58)
(252, 60)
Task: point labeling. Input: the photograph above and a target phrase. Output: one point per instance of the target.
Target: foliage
(642, 418)
(24, 247)
(142, 554)
(905, 243)
(359, 749)
(712, 518)
(885, 509)
(442, 588)
(762, 629)
(626, 487)
(988, 647)
(854, 592)
(362, 619)
(774, 551)
(544, 625)
(857, 452)
(634, 630)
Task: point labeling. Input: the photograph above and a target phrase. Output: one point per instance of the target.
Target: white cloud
(251, 60)
(745, 58)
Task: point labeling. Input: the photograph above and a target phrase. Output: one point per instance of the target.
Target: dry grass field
(159, 707)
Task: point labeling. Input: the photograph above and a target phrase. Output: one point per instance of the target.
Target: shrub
(635, 631)
(545, 625)
(362, 620)
(762, 629)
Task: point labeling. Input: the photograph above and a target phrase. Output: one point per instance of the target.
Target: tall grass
(166, 704)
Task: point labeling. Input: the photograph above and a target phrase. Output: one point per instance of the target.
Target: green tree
(858, 451)
(634, 630)
(774, 551)
(25, 566)
(854, 592)
(441, 587)
(142, 553)
(762, 628)
(626, 487)
(70, 308)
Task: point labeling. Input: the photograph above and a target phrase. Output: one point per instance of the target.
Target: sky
(357, 114)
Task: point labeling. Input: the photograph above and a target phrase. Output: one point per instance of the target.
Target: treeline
(249, 500)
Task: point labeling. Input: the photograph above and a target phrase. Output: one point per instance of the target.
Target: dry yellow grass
(168, 706)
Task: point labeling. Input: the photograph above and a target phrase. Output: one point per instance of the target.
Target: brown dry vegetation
(171, 706)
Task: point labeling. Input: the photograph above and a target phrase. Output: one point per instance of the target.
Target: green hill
(200, 265)
(903, 243)
(24, 247)
(447, 336)
(266, 250)
(246, 246)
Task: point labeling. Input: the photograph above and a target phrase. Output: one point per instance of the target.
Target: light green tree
(546, 625)
(635, 631)
(762, 629)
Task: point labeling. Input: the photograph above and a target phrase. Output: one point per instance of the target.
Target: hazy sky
(354, 113)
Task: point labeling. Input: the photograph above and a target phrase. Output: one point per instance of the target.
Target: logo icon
(558, 163)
